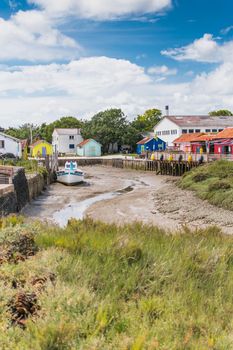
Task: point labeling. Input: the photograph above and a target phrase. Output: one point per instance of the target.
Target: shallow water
(77, 210)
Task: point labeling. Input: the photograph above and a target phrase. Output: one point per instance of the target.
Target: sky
(78, 57)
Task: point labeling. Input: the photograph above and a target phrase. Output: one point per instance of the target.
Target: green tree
(221, 112)
(24, 131)
(46, 130)
(147, 121)
(107, 127)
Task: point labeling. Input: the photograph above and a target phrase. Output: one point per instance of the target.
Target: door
(44, 152)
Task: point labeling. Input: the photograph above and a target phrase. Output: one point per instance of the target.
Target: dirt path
(122, 196)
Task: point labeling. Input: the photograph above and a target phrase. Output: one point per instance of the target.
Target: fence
(6, 174)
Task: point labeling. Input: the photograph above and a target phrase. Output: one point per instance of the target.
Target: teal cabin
(89, 148)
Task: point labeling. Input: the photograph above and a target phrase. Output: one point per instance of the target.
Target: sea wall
(36, 183)
(8, 200)
(24, 188)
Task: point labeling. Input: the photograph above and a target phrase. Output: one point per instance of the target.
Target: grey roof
(202, 120)
(67, 131)
(10, 137)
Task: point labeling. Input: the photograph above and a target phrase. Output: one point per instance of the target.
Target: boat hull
(70, 179)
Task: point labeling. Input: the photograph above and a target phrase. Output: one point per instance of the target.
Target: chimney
(167, 110)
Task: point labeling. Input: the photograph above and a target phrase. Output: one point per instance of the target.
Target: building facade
(150, 144)
(89, 148)
(41, 148)
(9, 144)
(65, 141)
(172, 127)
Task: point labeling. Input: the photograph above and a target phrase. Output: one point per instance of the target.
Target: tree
(221, 112)
(107, 127)
(148, 120)
(46, 130)
(24, 131)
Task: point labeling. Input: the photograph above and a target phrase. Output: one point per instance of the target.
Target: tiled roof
(225, 134)
(202, 120)
(204, 137)
(144, 141)
(68, 131)
(81, 144)
(24, 143)
(187, 137)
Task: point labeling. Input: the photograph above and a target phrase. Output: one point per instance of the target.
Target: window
(214, 130)
(2, 144)
(173, 132)
(207, 130)
(166, 132)
(220, 130)
(191, 131)
(71, 146)
(71, 137)
(184, 131)
(198, 130)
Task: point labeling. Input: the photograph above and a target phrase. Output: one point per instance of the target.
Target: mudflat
(123, 196)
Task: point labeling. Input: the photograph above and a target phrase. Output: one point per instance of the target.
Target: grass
(30, 166)
(213, 182)
(135, 287)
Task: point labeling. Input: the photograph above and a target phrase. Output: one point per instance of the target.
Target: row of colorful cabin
(198, 143)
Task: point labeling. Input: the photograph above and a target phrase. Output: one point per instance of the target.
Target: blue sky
(89, 55)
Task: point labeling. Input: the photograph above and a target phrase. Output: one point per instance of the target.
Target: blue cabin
(150, 144)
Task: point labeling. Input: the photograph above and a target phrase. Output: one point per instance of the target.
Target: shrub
(200, 177)
(219, 185)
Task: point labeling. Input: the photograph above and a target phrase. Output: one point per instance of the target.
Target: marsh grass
(132, 287)
(213, 182)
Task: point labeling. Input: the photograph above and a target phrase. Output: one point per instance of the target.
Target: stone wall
(21, 187)
(24, 189)
(36, 184)
(8, 200)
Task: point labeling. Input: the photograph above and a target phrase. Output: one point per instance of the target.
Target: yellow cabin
(41, 148)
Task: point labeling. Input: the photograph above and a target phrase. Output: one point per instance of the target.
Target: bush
(219, 185)
(200, 177)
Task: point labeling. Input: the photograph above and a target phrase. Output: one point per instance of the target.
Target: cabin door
(44, 152)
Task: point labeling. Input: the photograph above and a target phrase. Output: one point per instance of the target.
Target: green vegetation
(108, 127)
(44, 131)
(221, 112)
(213, 182)
(30, 166)
(98, 286)
(148, 120)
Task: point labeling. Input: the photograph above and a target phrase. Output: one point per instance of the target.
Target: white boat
(70, 175)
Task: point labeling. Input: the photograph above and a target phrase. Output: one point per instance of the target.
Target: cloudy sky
(77, 57)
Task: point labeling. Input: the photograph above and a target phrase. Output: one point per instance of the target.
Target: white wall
(167, 131)
(61, 143)
(10, 146)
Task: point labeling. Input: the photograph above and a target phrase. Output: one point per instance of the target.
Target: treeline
(110, 127)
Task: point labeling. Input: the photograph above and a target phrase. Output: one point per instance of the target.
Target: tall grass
(134, 287)
(213, 182)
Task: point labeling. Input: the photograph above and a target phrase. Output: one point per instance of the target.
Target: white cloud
(162, 70)
(205, 49)
(101, 9)
(226, 30)
(31, 36)
(83, 87)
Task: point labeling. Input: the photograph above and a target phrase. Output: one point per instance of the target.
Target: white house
(10, 144)
(171, 127)
(66, 140)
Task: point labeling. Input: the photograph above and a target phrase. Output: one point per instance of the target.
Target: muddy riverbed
(123, 196)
